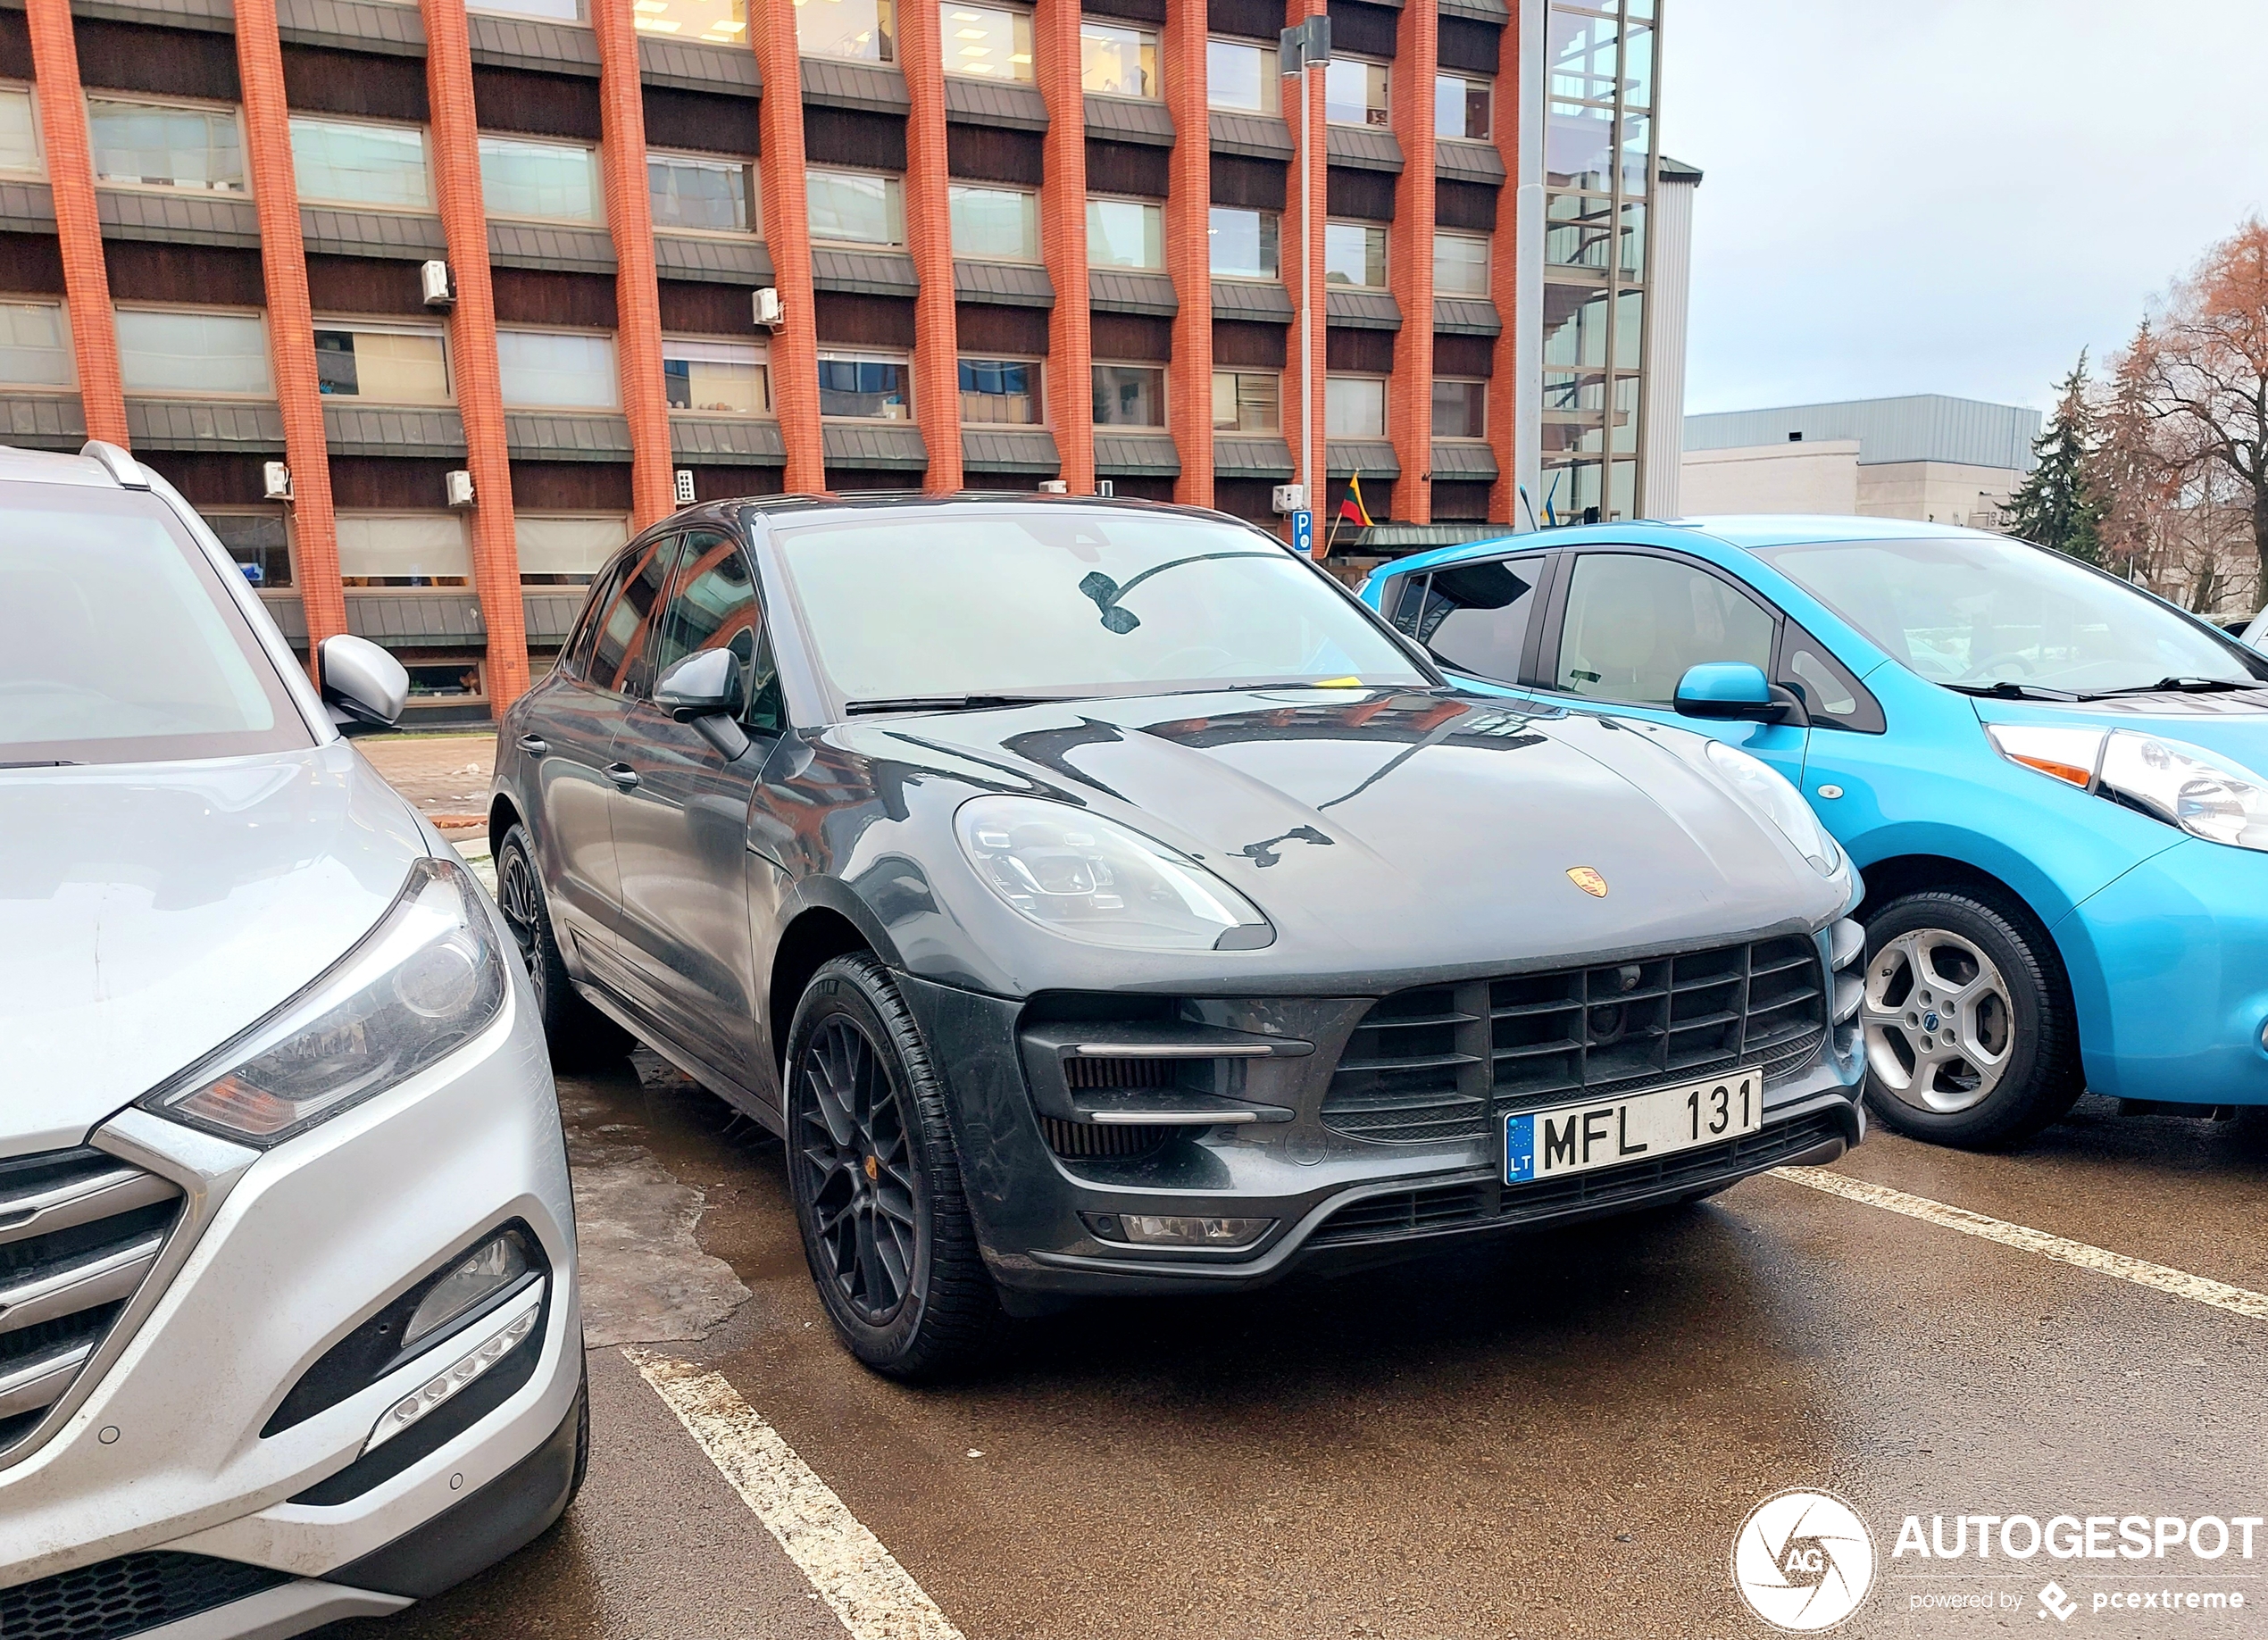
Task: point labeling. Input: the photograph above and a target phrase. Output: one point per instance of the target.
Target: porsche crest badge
(1589, 881)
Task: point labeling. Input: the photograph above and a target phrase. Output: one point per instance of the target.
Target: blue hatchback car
(2047, 776)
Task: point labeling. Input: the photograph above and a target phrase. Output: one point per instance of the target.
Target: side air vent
(78, 1232)
(1089, 1073)
(1082, 1141)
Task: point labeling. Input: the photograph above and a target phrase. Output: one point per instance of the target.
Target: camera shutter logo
(1804, 1560)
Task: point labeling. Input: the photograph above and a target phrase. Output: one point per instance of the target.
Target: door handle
(534, 746)
(623, 775)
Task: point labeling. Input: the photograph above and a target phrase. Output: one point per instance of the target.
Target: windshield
(118, 642)
(1046, 601)
(1973, 612)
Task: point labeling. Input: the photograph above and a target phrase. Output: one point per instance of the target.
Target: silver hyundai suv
(288, 1319)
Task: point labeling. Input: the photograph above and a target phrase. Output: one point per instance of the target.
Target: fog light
(477, 1278)
(509, 1334)
(1180, 1231)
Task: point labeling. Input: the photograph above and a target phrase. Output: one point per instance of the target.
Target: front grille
(1440, 1062)
(1448, 1207)
(129, 1596)
(78, 1232)
(1098, 1141)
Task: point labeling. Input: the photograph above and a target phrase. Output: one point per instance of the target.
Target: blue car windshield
(1973, 612)
(1035, 601)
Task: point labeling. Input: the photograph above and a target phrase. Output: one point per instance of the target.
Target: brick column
(1503, 290)
(1188, 203)
(637, 299)
(472, 345)
(1063, 241)
(787, 224)
(928, 235)
(1409, 392)
(1301, 250)
(71, 173)
(291, 321)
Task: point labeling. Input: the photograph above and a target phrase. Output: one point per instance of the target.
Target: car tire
(578, 1035)
(876, 1181)
(1971, 1034)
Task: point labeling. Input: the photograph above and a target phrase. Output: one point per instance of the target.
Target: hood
(2234, 724)
(1403, 830)
(150, 911)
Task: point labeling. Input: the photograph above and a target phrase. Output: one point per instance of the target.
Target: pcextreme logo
(1803, 1560)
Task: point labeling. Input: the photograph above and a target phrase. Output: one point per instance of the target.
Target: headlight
(1770, 795)
(2201, 792)
(421, 984)
(1090, 878)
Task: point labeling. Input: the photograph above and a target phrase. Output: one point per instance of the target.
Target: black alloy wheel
(579, 1035)
(877, 1182)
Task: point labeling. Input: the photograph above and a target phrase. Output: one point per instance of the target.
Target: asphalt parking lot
(1557, 1434)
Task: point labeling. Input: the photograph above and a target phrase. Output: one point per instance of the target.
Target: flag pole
(1330, 536)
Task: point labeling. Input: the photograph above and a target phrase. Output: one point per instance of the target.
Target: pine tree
(2056, 505)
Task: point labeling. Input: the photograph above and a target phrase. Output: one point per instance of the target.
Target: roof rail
(124, 471)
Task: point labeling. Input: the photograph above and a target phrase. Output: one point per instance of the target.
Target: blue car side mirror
(1735, 690)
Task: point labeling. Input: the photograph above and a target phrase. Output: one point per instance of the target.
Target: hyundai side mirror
(364, 689)
(1737, 691)
(704, 690)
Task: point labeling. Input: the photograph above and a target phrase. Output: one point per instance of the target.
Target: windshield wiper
(2009, 689)
(2177, 685)
(948, 702)
(44, 762)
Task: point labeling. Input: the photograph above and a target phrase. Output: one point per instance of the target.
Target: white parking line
(2180, 1283)
(875, 1597)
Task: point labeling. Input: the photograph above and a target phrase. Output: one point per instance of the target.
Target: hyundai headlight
(1770, 795)
(425, 981)
(2203, 792)
(1090, 878)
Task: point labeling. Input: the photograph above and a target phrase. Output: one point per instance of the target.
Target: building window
(337, 162)
(256, 542)
(403, 549)
(1460, 409)
(34, 350)
(1355, 407)
(1460, 106)
(1116, 60)
(1125, 233)
(1354, 254)
(1247, 401)
(19, 131)
(558, 369)
(1354, 92)
(987, 40)
(1243, 243)
(855, 207)
(995, 224)
(522, 176)
(165, 144)
(702, 195)
(566, 550)
(1240, 75)
(865, 387)
(550, 11)
(1000, 392)
(717, 22)
(1460, 265)
(205, 354)
(864, 30)
(392, 364)
(1129, 395)
(716, 378)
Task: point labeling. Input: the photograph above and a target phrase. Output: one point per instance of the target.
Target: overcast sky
(1949, 196)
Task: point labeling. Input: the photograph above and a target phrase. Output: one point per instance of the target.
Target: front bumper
(1336, 1202)
(279, 1256)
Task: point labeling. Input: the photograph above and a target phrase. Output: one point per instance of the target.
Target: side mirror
(1738, 691)
(704, 690)
(364, 688)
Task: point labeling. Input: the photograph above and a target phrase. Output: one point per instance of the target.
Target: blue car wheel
(1968, 1017)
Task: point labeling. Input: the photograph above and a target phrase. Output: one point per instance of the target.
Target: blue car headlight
(1769, 795)
(2201, 792)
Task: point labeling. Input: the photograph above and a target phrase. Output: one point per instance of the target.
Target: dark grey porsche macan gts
(1098, 899)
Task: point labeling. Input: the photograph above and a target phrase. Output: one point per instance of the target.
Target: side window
(1636, 622)
(715, 607)
(1834, 698)
(1475, 616)
(574, 658)
(625, 632)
